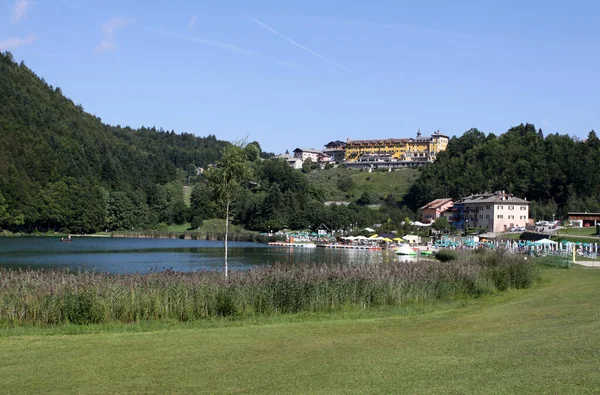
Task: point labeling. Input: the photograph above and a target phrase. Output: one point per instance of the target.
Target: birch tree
(225, 178)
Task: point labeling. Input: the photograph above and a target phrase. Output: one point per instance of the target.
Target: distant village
(381, 153)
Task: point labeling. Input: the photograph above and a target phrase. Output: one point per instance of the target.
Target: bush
(446, 255)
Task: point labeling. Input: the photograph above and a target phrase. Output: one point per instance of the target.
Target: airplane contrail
(269, 28)
(212, 43)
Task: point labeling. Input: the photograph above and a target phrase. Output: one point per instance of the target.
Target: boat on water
(295, 245)
(404, 249)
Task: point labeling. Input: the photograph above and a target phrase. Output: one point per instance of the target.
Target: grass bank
(538, 340)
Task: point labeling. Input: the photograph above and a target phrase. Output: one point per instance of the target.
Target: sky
(292, 74)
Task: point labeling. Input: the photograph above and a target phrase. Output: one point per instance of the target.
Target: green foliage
(441, 223)
(4, 216)
(307, 166)
(345, 183)
(446, 255)
(367, 198)
(557, 173)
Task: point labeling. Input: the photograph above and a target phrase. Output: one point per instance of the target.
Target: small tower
(419, 133)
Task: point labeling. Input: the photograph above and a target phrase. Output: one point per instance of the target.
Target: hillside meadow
(382, 183)
(537, 340)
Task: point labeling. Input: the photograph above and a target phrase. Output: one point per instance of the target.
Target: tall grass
(56, 297)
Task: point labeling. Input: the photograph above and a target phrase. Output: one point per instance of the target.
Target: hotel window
(487, 216)
(499, 207)
(511, 217)
(523, 208)
(500, 216)
(487, 207)
(480, 216)
(522, 217)
(511, 207)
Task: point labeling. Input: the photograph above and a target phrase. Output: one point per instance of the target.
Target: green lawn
(541, 340)
(590, 231)
(179, 228)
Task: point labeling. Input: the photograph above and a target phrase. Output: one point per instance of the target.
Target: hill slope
(58, 163)
(336, 186)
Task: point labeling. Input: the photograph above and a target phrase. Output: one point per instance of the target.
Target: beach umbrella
(398, 239)
(544, 242)
(374, 236)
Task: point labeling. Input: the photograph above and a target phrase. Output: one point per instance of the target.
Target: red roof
(437, 203)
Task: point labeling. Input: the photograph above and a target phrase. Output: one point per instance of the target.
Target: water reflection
(121, 255)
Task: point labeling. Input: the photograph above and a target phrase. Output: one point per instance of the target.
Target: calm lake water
(125, 255)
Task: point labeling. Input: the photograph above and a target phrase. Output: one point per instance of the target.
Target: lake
(128, 255)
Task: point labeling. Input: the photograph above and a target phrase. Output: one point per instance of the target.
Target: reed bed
(57, 296)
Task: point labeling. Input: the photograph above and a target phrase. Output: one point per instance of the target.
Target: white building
(497, 212)
(294, 162)
(306, 153)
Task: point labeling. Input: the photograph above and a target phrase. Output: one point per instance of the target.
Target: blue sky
(302, 73)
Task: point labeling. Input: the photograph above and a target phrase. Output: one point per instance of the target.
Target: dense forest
(62, 168)
(558, 173)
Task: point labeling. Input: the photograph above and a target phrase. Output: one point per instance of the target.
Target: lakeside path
(539, 340)
(590, 264)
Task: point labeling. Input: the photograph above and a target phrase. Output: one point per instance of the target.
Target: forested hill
(58, 164)
(559, 173)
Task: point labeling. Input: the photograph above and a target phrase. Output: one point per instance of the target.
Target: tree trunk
(226, 233)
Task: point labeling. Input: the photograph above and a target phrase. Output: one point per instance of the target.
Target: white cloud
(16, 42)
(109, 28)
(192, 22)
(20, 9)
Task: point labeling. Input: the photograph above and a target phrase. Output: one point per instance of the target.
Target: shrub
(446, 255)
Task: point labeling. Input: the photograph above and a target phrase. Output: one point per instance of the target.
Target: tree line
(62, 169)
(558, 173)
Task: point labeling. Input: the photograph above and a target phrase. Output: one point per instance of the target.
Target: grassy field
(590, 231)
(540, 340)
(381, 183)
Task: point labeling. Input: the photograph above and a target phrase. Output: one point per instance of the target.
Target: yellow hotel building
(421, 149)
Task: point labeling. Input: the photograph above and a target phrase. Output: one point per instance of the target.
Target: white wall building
(305, 153)
(497, 212)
